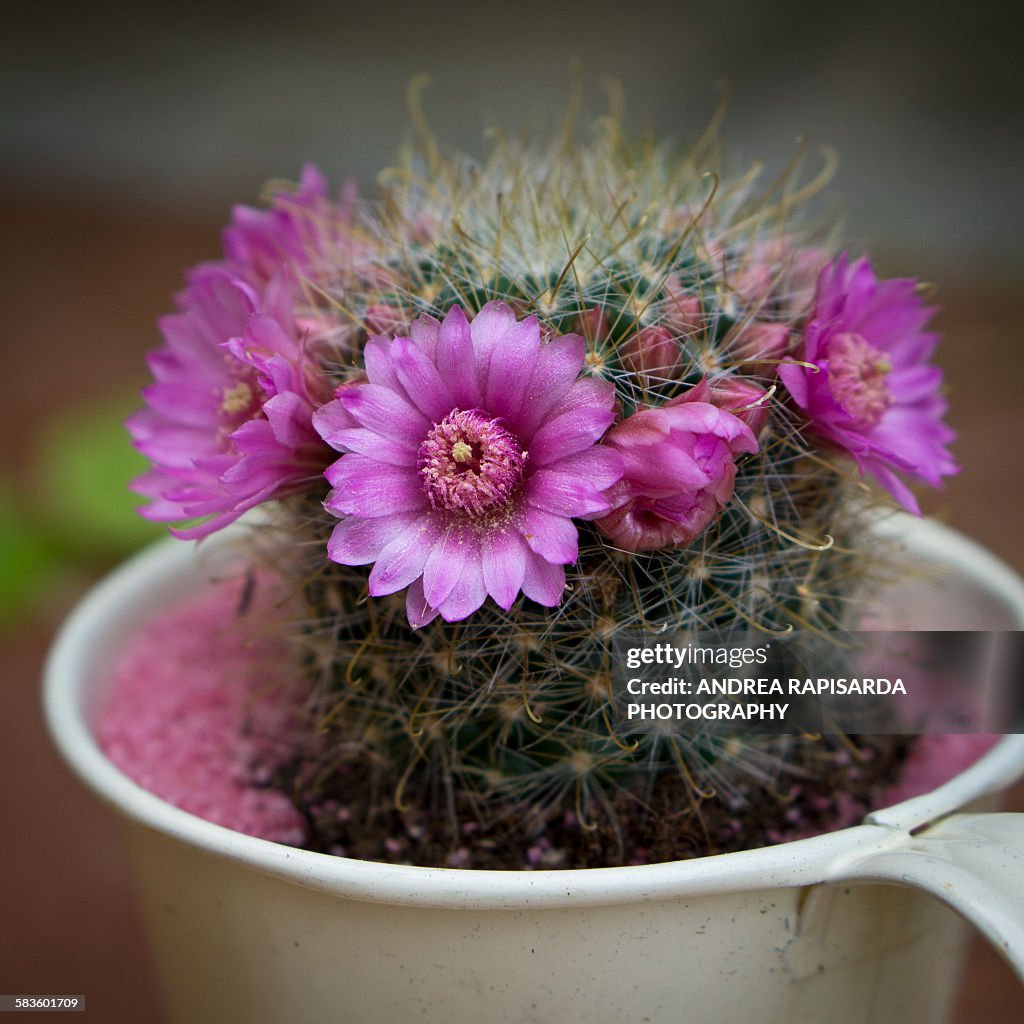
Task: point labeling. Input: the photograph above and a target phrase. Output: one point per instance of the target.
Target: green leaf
(85, 465)
(26, 560)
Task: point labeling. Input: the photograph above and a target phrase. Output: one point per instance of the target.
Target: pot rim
(118, 604)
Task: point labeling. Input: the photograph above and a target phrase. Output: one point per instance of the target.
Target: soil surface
(823, 789)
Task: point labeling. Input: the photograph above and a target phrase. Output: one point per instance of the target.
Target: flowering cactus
(509, 411)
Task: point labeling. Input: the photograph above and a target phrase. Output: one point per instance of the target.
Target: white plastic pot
(247, 930)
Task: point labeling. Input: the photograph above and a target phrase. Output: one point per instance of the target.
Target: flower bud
(743, 398)
(383, 319)
(682, 310)
(593, 324)
(653, 351)
(759, 347)
(679, 473)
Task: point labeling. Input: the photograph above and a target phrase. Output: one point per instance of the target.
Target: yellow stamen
(461, 452)
(238, 398)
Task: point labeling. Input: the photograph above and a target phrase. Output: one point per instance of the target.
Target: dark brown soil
(828, 788)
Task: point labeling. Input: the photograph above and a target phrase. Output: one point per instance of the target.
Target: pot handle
(972, 862)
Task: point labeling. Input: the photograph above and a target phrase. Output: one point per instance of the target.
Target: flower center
(237, 399)
(240, 402)
(857, 373)
(470, 464)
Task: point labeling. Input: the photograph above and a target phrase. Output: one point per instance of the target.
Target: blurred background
(127, 133)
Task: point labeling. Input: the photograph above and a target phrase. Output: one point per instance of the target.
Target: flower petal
(356, 541)
(468, 593)
(503, 558)
(587, 391)
(445, 562)
(511, 364)
(383, 410)
(558, 365)
(794, 377)
(426, 332)
(330, 418)
(456, 360)
(416, 607)
(914, 440)
(365, 487)
(569, 433)
(402, 560)
(543, 582)
(369, 442)
(564, 494)
(488, 330)
(600, 466)
(422, 382)
(222, 303)
(182, 401)
(895, 486)
(289, 417)
(553, 537)
(380, 368)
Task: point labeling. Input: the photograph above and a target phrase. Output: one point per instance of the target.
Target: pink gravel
(198, 709)
(196, 714)
(935, 760)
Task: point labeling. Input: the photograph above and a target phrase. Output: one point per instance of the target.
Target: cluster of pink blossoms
(228, 420)
(471, 448)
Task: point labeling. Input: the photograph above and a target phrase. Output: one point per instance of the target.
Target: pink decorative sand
(935, 760)
(197, 711)
(196, 714)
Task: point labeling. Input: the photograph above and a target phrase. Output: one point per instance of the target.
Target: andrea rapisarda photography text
(703, 707)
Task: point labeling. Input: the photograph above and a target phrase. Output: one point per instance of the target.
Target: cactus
(690, 287)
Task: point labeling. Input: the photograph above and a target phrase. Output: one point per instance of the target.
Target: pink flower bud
(682, 311)
(779, 269)
(754, 283)
(652, 350)
(593, 324)
(743, 398)
(802, 277)
(760, 346)
(388, 320)
(317, 333)
(761, 271)
(679, 472)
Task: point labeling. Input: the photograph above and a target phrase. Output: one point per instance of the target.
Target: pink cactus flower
(228, 421)
(469, 452)
(680, 467)
(302, 235)
(869, 389)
